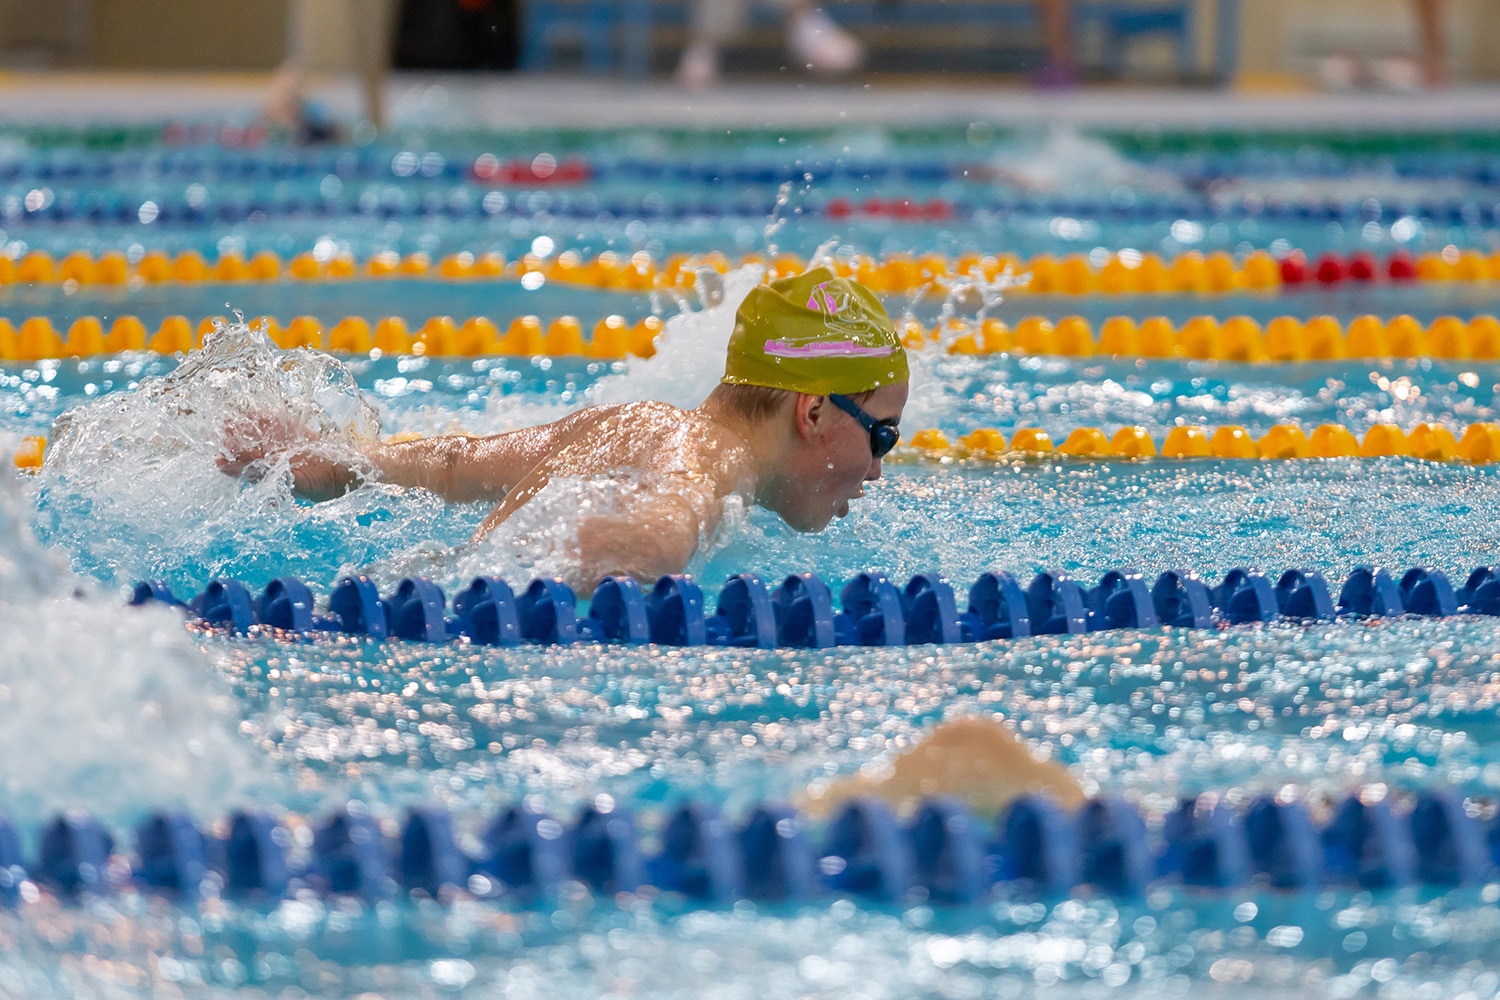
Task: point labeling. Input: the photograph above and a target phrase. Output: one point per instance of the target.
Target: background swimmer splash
(799, 434)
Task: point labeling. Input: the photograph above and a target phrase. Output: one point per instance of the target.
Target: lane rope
(1124, 273)
(1283, 339)
(801, 611)
(1372, 839)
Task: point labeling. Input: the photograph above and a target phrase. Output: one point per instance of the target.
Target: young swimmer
(815, 380)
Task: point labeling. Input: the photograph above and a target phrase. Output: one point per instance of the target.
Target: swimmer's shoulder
(646, 414)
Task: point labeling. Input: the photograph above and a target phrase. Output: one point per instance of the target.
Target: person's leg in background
(812, 38)
(1057, 36)
(283, 104)
(1434, 53)
(369, 24)
(372, 22)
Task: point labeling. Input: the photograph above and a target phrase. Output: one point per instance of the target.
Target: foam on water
(107, 707)
(132, 485)
(1064, 160)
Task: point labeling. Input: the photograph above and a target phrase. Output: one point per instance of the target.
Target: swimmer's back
(647, 438)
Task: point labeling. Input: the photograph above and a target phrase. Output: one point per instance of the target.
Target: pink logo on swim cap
(827, 349)
(827, 304)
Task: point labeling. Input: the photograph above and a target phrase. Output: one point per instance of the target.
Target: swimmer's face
(837, 460)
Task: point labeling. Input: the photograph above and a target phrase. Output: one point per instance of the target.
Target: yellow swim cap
(814, 333)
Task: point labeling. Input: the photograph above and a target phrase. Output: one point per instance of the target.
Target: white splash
(1065, 160)
(132, 484)
(107, 708)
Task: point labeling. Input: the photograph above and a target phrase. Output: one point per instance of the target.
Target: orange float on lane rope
(930, 439)
(352, 335)
(984, 441)
(126, 333)
(1384, 441)
(1031, 441)
(85, 337)
(1120, 336)
(523, 338)
(1086, 442)
(1324, 337)
(30, 453)
(1333, 441)
(643, 336)
(1284, 441)
(1133, 442)
(1480, 443)
(610, 340)
(1433, 443)
(1186, 441)
(564, 338)
(392, 336)
(1073, 337)
(1232, 441)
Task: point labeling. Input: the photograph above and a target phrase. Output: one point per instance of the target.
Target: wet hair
(759, 402)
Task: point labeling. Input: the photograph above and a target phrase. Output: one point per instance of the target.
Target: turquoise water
(121, 710)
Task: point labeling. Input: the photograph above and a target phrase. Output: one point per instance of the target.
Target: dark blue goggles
(883, 433)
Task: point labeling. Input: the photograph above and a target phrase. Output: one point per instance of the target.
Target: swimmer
(977, 759)
(815, 380)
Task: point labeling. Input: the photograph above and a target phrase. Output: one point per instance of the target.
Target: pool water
(122, 710)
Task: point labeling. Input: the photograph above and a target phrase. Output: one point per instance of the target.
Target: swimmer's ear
(809, 414)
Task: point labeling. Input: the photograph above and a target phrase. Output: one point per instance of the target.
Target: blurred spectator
(1351, 71)
(1057, 36)
(369, 24)
(1434, 42)
(812, 39)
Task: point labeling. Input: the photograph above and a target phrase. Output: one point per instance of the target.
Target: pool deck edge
(520, 101)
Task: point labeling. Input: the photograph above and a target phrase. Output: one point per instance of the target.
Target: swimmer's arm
(465, 469)
(659, 537)
(460, 469)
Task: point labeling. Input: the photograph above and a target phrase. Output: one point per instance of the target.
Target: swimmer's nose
(874, 472)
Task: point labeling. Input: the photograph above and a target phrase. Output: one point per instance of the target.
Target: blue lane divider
(207, 159)
(699, 856)
(476, 204)
(943, 853)
(800, 612)
(1283, 843)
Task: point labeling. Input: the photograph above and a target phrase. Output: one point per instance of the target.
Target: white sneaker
(1399, 75)
(822, 46)
(1342, 72)
(699, 66)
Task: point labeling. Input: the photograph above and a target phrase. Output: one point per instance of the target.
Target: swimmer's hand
(252, 444)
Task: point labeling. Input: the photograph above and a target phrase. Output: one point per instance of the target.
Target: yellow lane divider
(612, 338)
(1237, 338)
(1479, 443)
(1124, 273)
